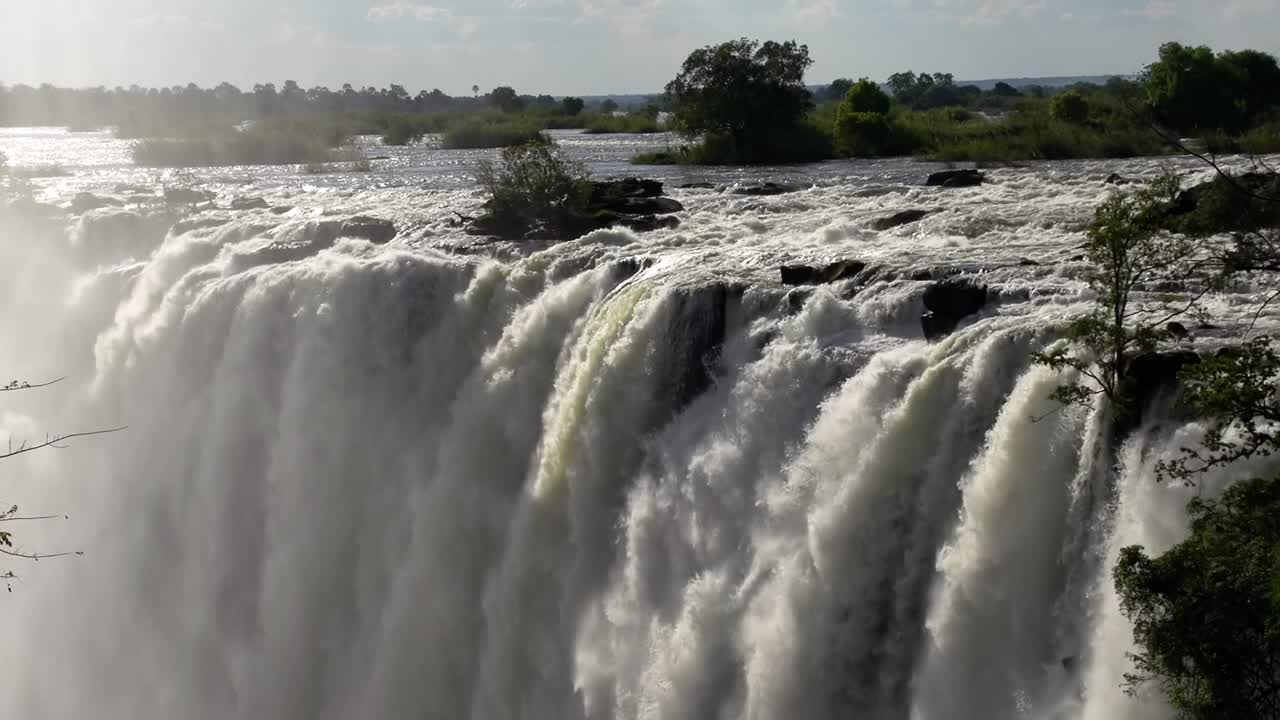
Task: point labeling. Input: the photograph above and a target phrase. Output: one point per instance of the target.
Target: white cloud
(401, 9)
(1153, 10)
(621, 12)
(987, 12)
(814, 10)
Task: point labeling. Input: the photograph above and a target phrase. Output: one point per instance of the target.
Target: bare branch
(55, 442)
(17, 385)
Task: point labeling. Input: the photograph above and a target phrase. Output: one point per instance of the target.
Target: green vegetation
(266, 144)
(533, 185)
(482, 131)
(747, 102)
(1206, 614)
(742, 102)
(635, 124)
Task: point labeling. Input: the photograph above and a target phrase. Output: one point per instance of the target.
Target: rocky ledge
(632, 203)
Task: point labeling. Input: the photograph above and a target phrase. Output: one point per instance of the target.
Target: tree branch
(54, 442)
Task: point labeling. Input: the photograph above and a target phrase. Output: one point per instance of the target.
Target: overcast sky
(591, 46)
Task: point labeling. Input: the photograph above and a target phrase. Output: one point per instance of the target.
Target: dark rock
(1027, 262)
(1145, 378)
(375, 230)
(626, 268)
(1237, 205)
(643, 206)
(84, 202)
(281, 209)
(949, 302)
(905, 217)
(248, 203)
(697, 186)
(921, 275)
(810, 275)
(604, 191)
(649, 223)
(956, 179)
(1117, 179)
(1177, 329)
(1077, 258)
(765, 189)
(696, 334)
(186, 196)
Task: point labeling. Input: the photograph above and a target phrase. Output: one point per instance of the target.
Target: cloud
(620, 12)
(987, 12)
(814, 10)
(173, 21)
(537, 4)
(1153, 10)
(400, 9)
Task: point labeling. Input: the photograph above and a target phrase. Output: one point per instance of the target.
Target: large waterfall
(591, 482)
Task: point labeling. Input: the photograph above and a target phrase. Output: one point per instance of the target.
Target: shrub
(1069, 107)
(634, 124)
(533, 183)
(866, 97)
(481, 132)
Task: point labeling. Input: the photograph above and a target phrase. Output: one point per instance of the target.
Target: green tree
(745, 92)
(862, 126)
(866, 97)
(838, 89)
(534, 183)
(1004, 89)
(1206, 614)
(1190, 90)
(609, 106)
(1128, 248)
(505, 99)
(1069, 107)
(572, 106)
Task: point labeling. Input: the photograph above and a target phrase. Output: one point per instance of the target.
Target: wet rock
(248, 203)
(633, 203)
(898, 219)
(375, 230)
(1027, 262)
(1077, 258)
(1145, 378)
(186, 196)
(281, 209)
(765, 189)
(84, 202)
(696, 334)
(1117, 179)
(949, 302)
(956, 179)
(627, 268)
(697, 186)
(830, 273)
(1177, 329)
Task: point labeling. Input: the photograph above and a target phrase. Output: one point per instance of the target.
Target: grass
(478, 132)
(260, 144)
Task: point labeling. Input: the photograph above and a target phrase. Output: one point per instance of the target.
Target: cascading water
(605, 480)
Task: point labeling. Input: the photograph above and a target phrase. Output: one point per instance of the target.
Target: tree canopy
(1192, 89)
(743, 90)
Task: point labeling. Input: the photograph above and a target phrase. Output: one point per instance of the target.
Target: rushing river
(618, 477)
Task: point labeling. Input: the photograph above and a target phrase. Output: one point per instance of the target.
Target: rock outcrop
(898, 219)
(765, 189)
(956, 179)
(820, 275)
(949, 302)
(632, 203)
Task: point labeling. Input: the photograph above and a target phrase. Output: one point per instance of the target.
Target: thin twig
(54, 442)
(16, 385)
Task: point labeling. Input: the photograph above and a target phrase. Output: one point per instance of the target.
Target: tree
(862, 127)
(1004, 89)
(475, 90)
(744, 91)
(609, 106)
(1127, 247)
(1069, 107)
(838, 89)
(1190, 90)
(572, 106)
(866, 97)
(533, 184)
(506, 99)
(1206, 614)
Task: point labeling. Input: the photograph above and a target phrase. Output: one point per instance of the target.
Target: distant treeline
(137, 111)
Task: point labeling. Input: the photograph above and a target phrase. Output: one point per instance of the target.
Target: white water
(402, 481)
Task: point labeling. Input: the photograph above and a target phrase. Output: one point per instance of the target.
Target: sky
(588, 47)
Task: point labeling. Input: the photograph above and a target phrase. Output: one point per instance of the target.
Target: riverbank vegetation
(719, 99)
(1205, 612)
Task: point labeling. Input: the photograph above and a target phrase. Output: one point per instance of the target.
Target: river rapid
(622, 476)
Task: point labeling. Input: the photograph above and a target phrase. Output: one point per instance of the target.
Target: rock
(84, 202)
(603, 191)
(375, 230)
(956, 179)
(1117, 179)
(1077, 258)
(644, 206)
(1222, 205)
(633, 203)
(810, 275)
(765, 189)
(248, 203)
(905, 217)
(1177, 329)
(1145, 378)
(186, 196)
(1027, 262)
(697, 186)
(949, 302)
(649, 223)
(281, 209)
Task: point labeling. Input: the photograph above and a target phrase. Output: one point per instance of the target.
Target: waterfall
(392, 482)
